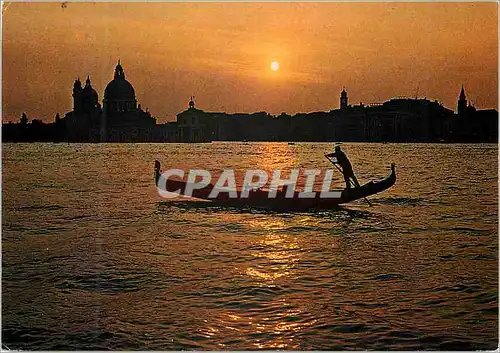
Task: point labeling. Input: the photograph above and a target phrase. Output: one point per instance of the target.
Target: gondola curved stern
(370, 188)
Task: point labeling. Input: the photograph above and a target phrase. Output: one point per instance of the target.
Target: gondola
(259, 198)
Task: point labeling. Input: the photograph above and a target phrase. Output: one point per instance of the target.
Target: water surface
(93, 258)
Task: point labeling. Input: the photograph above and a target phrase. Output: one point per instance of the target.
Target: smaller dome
(88, 91)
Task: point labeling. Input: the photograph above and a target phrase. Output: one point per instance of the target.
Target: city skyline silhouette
(258, 57)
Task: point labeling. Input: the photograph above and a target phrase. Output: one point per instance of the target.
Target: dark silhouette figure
(346, 166)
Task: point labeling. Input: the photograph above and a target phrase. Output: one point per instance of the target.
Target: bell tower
(77, 96)
(462, 102)
(343, 99)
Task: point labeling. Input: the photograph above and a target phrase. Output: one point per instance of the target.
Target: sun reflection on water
(274, 253)
(273, 256)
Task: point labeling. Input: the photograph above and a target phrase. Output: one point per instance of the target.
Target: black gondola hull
(260, 197)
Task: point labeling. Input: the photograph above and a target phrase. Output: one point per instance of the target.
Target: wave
(40, 207)
(400, 200)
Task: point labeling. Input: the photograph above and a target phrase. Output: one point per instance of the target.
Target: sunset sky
(222, 54)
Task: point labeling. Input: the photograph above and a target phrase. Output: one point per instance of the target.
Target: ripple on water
(116, 282)
(36, 208)
(401, 200)
(387, 276)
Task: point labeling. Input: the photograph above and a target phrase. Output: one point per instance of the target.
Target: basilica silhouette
(119, 119)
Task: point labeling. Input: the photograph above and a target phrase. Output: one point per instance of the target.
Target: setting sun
(275, 66)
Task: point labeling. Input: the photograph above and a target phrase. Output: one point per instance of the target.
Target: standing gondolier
(345, 164)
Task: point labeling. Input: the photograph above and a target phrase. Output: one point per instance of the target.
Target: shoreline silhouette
(122, 119)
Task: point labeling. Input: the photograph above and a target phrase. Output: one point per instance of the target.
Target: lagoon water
(93, 258)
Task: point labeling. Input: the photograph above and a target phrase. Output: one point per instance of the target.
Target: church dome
(119, 88)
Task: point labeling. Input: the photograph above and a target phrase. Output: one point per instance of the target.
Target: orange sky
(221, 53)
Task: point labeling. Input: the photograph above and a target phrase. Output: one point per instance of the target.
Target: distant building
(83, 122)
(119, 120)
(123, 119)
(399, 119)
(192, 124)
(475, 125)
(168, 132)
(343, 99)
(119, 95)
(462, 102)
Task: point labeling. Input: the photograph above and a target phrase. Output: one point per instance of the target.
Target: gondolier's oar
(350, 181)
